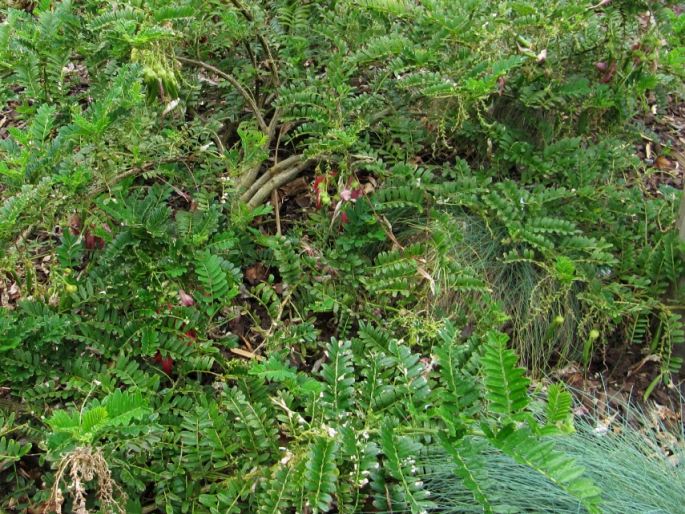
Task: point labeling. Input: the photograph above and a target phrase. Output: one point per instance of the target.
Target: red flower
(192, 335)
(315, 186)
(167, 363)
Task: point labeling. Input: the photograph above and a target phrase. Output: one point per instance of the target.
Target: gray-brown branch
(275, 182)
(254, 185)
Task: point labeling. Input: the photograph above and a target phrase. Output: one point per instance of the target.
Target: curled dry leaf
(75, 224)
(663, 163)
(256, 273)
(171, 106)
(14, 291)
(601, 4)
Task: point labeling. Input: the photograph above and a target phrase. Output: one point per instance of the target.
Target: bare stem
(275, 182)
(253, 187)
(277, 211)
(248, 178)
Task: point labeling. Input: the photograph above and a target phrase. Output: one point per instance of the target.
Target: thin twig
(234, 82)
(277, 210)
(250, 53)
(601, 4)
(273, 124)
(276, 320)
(101, 187)
(271, 62)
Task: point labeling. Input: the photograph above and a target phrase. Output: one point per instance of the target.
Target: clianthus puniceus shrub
(263, 256)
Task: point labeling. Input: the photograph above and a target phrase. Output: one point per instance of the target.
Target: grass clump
(638, 466)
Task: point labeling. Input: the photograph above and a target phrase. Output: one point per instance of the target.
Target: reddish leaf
(501, 84)
(609, 75)
(92, 242)
(315, 186)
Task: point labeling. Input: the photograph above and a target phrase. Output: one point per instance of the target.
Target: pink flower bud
(186, 299)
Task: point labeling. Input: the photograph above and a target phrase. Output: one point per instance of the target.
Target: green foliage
(505, 384)
(338, 374)
(321, 474)
(212, 278)
(116, 412)
(540, 455)
(398, 453)
(11, 450)
(462, 193)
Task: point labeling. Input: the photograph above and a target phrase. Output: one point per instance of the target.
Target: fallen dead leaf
(663, 163)
(14, 291)
(244, 353)
(256, 273)
(295, 187)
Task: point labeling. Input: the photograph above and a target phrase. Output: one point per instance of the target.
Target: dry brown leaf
(428, 277)
(295, 187)
(663, 163)
(14, 291)
(256, 273)
(244, 353)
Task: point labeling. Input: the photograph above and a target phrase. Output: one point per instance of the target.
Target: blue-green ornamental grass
(639, 470)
